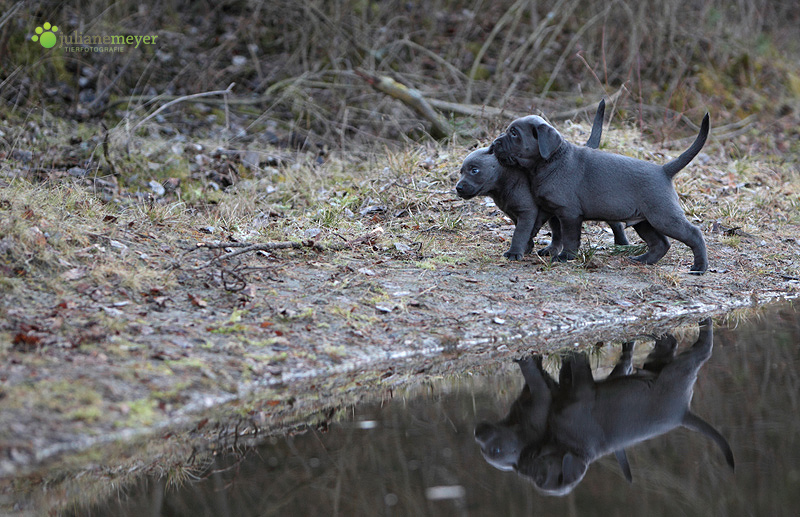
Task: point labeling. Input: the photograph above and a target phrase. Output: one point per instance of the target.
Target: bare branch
(411, 98)
(170, 103)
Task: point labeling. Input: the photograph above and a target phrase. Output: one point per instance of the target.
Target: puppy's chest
(548, 200)
(507, 206)
(514, 200)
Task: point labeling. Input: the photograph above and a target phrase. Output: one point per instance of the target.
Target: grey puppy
(591, 419)
(525, 426)
(578, 183)
(510, 188)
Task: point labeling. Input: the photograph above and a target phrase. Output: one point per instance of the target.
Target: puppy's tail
(597, 126)
(673, 167)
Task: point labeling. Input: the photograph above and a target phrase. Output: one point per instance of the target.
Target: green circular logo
(45, 35)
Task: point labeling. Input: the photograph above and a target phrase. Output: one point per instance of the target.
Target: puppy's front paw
(549, 251)
(513, 255)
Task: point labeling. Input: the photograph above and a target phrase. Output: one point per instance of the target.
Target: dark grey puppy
(510, 188)
(525, 426)
(578, 183)
(590, 419)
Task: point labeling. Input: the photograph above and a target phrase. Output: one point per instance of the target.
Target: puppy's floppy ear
(549, 139)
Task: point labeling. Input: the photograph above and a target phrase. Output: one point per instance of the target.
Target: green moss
(141, 412)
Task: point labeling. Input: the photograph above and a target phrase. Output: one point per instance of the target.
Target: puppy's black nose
(459, 189)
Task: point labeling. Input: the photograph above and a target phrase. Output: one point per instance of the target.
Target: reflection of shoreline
(555, 430)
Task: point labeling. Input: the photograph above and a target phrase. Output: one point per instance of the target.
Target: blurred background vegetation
(295, 64)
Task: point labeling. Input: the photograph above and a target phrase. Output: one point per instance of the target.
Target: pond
(418, 452)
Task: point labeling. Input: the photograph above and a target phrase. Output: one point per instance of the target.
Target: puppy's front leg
(554, 248)
(570, 237)
(523, 233)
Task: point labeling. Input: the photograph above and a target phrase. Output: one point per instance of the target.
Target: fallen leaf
(384, 307)
(111, 311)
(26, 339)
(75, 273)
(197, 301)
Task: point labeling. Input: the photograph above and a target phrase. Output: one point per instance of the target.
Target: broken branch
(412, 98)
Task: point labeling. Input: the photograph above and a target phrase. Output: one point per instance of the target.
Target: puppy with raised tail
(510, 188)
(579, 183)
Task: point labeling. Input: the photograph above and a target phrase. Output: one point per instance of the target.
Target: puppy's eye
(512, 131)
(474, 171)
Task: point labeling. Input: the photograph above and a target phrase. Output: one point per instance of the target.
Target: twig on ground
(106, 153)
(423, 191)
(170, 103)
(245, 247)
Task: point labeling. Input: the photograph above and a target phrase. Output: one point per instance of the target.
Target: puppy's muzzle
(502, 153)
(464, 191)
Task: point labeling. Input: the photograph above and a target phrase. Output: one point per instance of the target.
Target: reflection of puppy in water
(526, 423)
(502, 442)
(590, 419)
(510, 189)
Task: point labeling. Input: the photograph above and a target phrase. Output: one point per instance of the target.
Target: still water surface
(416, 453)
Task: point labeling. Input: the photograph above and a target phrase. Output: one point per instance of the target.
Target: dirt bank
(115, 326)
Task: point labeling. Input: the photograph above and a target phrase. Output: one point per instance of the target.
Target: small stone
(157, 188)
(312, 233)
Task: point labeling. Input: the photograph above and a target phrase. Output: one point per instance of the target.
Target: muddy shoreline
(130, 350)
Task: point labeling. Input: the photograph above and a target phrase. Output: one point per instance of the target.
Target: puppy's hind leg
(657, 243)
(619, 234)
(682, 230)
(624, 365)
